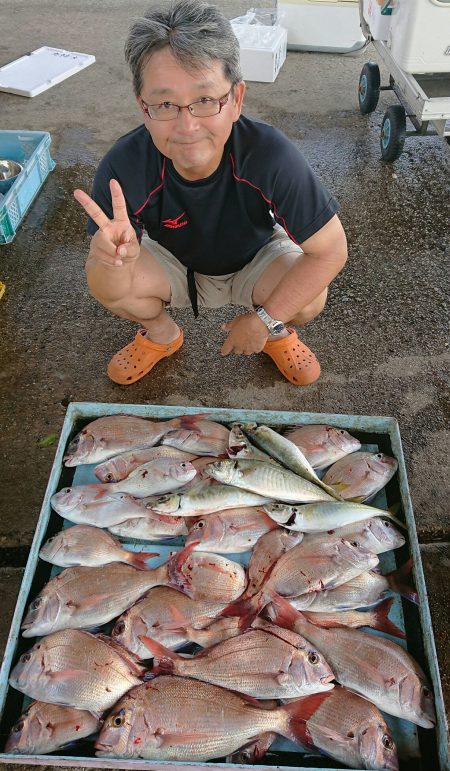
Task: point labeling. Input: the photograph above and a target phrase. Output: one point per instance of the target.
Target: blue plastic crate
(32, 150)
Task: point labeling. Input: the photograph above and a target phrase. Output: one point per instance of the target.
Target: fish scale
(84, 597)
(378, 669)
(295, 574)
(102, 676)
(222, 720)
(151, 614)
(257, 663)
(267, 480)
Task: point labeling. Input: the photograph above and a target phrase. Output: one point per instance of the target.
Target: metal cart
(424, 99)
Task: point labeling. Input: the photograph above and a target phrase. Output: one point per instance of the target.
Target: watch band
(273, 325)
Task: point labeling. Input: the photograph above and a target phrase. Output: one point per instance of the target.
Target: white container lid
(41, 69)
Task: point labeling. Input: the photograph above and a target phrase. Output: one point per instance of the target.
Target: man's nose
(186, 120)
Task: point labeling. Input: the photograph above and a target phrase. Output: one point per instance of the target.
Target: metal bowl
(9, 171)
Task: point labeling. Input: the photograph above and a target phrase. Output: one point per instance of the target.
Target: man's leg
(271, 277)
(143, 303)
(292, 357)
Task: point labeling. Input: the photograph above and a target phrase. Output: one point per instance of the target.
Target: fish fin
(181, 738)
(282, 613)
(178, 580)
(299, 712)
(179, 623)
(66, 674)
(246, 608)
(139, 559)
(164, 660)
(382, 622)
(396, 582)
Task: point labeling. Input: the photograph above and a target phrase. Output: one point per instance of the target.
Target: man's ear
(238, 98)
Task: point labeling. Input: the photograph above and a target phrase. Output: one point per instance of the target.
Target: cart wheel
(369, 87)
(393, 131)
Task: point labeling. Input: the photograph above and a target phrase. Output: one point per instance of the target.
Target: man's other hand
(247, 334)
(115, 242)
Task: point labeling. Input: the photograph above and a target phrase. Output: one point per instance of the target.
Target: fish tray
(419, 749)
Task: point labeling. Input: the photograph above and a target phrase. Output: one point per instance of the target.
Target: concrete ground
(382, 339)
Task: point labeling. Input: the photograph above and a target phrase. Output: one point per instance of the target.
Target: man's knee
(312, 310)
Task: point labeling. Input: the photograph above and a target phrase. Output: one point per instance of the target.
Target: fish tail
(164, 660)
(330, 490)
(189, 421)
(380, 620)
(282, 612)
(298, 712)
(247, 608)
(139, 559)
(396, 581)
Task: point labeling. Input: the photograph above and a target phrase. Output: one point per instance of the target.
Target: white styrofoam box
(322, 25)
(41, 69)
(419, 38)
(263, 50)
(379, 24)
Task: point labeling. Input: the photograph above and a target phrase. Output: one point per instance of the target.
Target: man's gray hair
(195, 32)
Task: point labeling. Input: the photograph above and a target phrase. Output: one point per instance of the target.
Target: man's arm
(324, 256)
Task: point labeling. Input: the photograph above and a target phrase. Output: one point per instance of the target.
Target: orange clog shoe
(294, 359)
(139, 357)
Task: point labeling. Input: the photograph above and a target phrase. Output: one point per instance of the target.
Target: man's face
(195, 145)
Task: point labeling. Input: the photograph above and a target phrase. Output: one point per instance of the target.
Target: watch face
(276, 328)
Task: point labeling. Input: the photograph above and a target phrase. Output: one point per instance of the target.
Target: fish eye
(350, 735)
(18, 726)
(119, 628)
(387, 742)
(37, 603)
(67, 490)
(379, 455)
(354, 543)
(26, 657)
(50, 540)
(313, 657)
(201, 523)
(109, 477)
(119, 719)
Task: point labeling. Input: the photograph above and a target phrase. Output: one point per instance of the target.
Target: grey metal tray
(419, 749)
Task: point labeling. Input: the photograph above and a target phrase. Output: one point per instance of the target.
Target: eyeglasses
(204, 108)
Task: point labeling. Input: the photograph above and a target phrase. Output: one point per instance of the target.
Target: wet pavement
(382, 340)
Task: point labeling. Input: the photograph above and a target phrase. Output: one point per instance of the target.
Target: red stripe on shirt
(155, 190)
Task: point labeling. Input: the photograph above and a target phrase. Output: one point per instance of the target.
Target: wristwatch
(274, 326)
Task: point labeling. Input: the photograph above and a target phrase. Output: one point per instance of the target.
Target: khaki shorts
(216, 291)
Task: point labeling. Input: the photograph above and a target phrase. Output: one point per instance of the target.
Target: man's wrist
(274, 326)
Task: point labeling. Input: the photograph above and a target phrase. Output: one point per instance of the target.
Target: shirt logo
(177, 222)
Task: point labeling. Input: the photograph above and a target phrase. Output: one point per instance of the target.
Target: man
(203, 206)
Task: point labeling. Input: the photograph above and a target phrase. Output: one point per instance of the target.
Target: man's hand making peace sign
(115, 241)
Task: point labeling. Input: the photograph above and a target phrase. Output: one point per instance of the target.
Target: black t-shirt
(216, 225)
